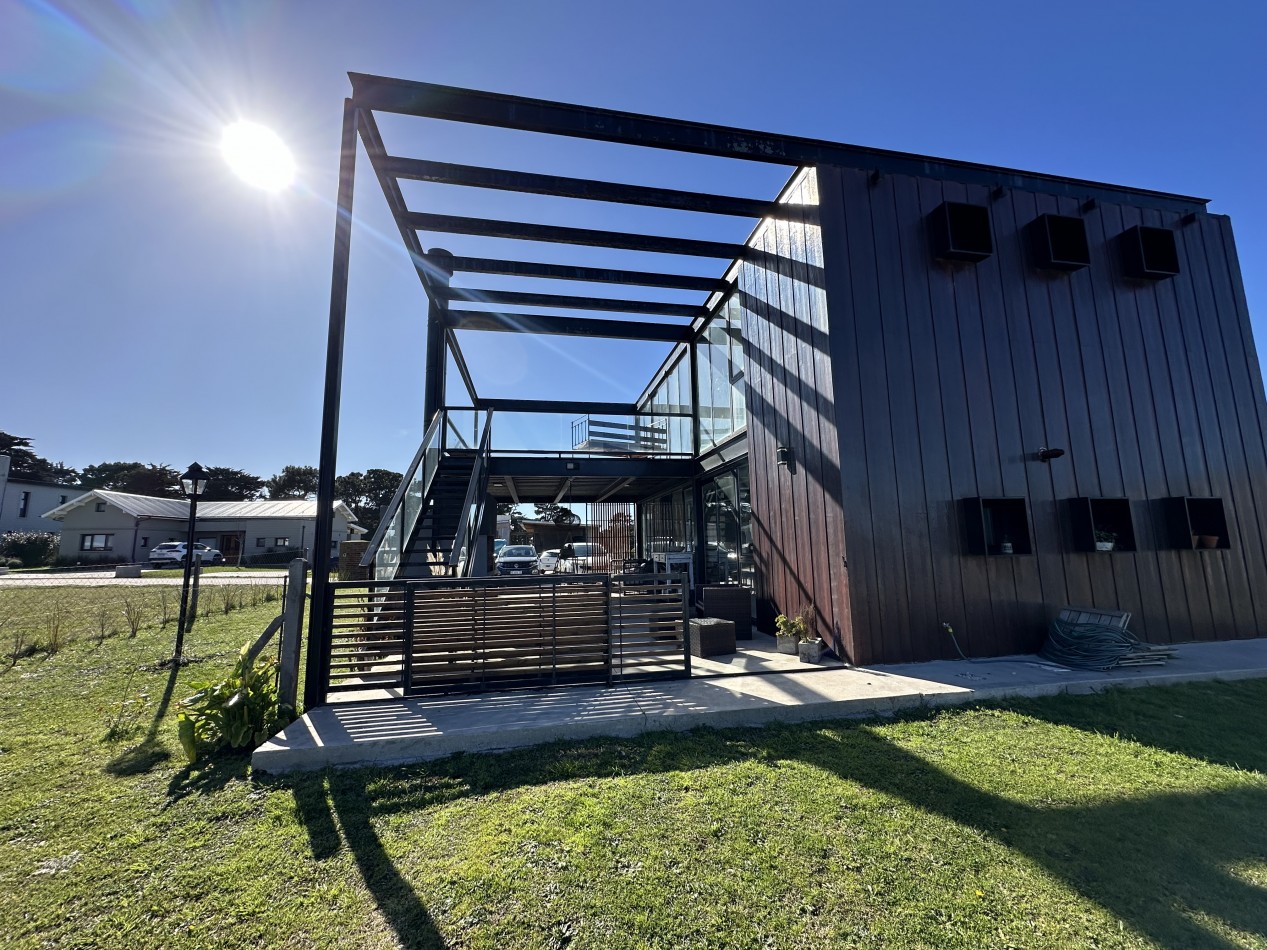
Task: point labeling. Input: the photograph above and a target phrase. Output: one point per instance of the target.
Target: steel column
(433, 388)
(318, 664)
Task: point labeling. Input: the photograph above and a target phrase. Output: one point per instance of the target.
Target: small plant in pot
(790, 631)
(1105, 540)
(810, 648)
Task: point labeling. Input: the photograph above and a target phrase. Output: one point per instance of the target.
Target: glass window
(727, 529)
(719, 363)
(24, 502)
(281, 542)
(96, 542)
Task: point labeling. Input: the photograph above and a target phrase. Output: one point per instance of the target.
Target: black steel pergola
(443, 275)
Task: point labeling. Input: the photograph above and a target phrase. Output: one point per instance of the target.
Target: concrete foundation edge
(405, 750)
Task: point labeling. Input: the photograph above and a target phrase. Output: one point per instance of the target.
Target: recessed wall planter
(1149, 253)
(996, 526)
(1198, 523)
(1060, 242)
(961, 232)
(1097, 521)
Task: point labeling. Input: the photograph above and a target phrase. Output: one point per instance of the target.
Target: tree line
(366, 493)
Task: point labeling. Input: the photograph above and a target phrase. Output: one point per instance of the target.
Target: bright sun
(258, 156)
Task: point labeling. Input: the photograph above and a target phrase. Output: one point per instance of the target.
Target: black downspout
(318, 662)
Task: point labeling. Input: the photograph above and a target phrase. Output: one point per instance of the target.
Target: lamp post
(193, 483)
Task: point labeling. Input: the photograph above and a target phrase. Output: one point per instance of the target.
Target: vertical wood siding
(926, 383)
(798, 527)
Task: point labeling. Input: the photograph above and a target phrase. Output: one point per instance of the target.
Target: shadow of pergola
(1162, 862)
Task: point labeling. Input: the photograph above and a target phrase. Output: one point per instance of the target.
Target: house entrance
(230, 546)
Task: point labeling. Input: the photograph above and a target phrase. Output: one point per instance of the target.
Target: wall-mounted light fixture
(1046, 455)
(783, 454)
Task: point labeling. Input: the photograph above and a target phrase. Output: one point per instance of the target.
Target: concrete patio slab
(407, 730)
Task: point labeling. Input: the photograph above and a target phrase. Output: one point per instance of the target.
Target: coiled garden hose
(1096, 646)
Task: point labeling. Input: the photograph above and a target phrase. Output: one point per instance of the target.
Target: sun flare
(258, 156)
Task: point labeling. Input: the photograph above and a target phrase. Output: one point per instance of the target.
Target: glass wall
(719, 359)
(673, 395)
(727, 528)
(667, 526)
(719, 395)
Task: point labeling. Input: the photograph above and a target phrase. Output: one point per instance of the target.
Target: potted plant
(1006, 546)
(1105, 540)
(810, 648)
(790, 631)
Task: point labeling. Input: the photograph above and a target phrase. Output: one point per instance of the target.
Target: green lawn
(1131, 819)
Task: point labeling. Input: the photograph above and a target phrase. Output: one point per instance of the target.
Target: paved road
(107, 579)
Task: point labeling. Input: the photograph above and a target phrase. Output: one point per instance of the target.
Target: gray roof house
(102, 525)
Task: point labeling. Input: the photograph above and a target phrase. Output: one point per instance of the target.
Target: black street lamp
(193, 483)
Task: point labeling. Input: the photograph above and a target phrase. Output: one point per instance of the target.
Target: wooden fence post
(292, 633)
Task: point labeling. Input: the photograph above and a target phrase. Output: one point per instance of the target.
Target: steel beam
(565, 326)
(559, 406)
(319, 632)
(559, 186)
(536, 466)
(374, 150)
(563, 302)
(619, 486)
(523, 231)
(437, 367)
(460, 361)
(596, 275)
(563, 490)
(630, 128)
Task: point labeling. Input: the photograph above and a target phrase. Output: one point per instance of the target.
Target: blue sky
(135, 264)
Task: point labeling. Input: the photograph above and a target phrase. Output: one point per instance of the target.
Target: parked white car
(583, 557)
(172, 554)
(548, 560)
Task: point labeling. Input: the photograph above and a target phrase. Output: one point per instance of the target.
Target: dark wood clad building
(915, 383)
(923, 392)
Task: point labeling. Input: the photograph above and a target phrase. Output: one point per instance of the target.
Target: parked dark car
(517, 559)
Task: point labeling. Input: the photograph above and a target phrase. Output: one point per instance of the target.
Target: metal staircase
(429, 552)
(430, 527)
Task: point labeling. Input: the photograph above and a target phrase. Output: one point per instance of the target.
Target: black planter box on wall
(961, 232)
(1060, 242)
(1149, 253)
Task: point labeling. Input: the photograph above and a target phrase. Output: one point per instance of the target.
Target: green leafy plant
(801, 626)
(239, 712)
(1105, 536)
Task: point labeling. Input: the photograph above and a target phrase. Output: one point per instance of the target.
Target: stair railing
(462, 557)
(395, 528)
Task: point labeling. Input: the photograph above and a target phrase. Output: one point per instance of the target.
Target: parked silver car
(583, 557)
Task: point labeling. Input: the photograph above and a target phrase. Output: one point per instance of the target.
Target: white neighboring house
(23, 502)
(105, 525)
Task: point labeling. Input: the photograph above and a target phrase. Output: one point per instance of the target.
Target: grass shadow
(1159, 862)
(148, 754)
(1153, 861)
(1210, 723)
(209, 775)
(346, 794)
